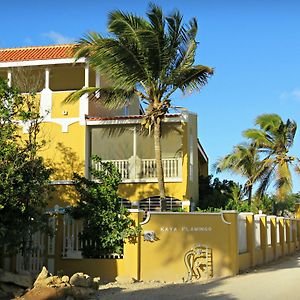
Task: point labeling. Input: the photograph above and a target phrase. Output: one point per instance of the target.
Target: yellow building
(74, 132)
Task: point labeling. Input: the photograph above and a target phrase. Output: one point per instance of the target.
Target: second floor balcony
(136, 169)
(131, 149)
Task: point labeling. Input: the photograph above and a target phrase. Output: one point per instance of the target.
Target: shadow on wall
(64, 168)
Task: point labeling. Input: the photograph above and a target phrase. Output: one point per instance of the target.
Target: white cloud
(58, 38)
(291, 95)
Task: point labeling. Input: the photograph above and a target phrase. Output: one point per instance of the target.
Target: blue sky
(254, 47)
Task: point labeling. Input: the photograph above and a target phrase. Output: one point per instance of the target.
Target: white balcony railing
(136, 169)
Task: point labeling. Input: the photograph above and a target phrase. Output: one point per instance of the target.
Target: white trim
(9, 78)
(64, 123)
(246, 213)
(147, 218)
(41, 62)
(83, 108)
(134, 142)
(185, 203)
(86, 75)
(135, 210)
(46, 101)
(128, 121)
(204, 155)
(150, 180)
(223, 219)
(61, 182)
(87, 152)
(47, 78)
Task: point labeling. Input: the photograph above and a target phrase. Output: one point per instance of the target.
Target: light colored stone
(124, 279)
(81, 280)
(55, 281)
(96, 282)
(40, 280)
(65, 279)
(17, 279)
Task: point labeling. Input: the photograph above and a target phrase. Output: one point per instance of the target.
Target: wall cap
(135, 210)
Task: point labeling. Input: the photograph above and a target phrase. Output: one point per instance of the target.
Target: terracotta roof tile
(36, 53)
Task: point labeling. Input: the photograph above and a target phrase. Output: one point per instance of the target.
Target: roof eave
(41, 62)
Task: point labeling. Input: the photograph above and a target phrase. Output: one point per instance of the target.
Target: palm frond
(189, 79)
(258, 138)
(268, 122)
(283, 181)
(110, 97)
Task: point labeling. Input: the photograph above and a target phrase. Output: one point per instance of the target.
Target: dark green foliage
(270, 204)
(106, 221)
(23, 176)
(214, 193)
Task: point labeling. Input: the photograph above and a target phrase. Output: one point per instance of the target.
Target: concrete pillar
(251, 238)
(281, 233)
(288, 235)
(273, 236)
(231, 217)
(263, 236)
(132, 249)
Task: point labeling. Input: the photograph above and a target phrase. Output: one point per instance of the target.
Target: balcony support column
(9, 78)
(83, 101)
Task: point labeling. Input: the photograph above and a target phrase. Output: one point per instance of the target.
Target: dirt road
(278, 280)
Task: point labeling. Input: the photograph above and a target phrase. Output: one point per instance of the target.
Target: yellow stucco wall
(177, 233)
(58, 106)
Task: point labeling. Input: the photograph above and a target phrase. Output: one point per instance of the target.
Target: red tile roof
(131, 117)
(36, 53)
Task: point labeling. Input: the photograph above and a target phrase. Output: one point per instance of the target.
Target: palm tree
(244, 160)
(273, 139)
(151, 59)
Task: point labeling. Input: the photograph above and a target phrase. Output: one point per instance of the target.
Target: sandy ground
(279, 280)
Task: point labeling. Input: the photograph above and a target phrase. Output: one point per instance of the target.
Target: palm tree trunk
(250, 194)
(159, 166)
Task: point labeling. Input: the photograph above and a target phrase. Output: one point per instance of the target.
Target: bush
(106, 223)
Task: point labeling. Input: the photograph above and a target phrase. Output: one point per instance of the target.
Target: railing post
(58, 241)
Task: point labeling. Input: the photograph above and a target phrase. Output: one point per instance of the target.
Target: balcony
(136, 169)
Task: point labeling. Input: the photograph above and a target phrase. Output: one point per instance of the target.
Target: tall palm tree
(150, 58)
(244, 160)
(273, 139)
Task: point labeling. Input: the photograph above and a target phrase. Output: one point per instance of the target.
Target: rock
(41, 277)
(18, 279)
(54, 282)
(10, 288)
(81, 280)
(124, 279)
(79, 293)
(45, 293)
(65, 279)
(71, 293)
(96, 283)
